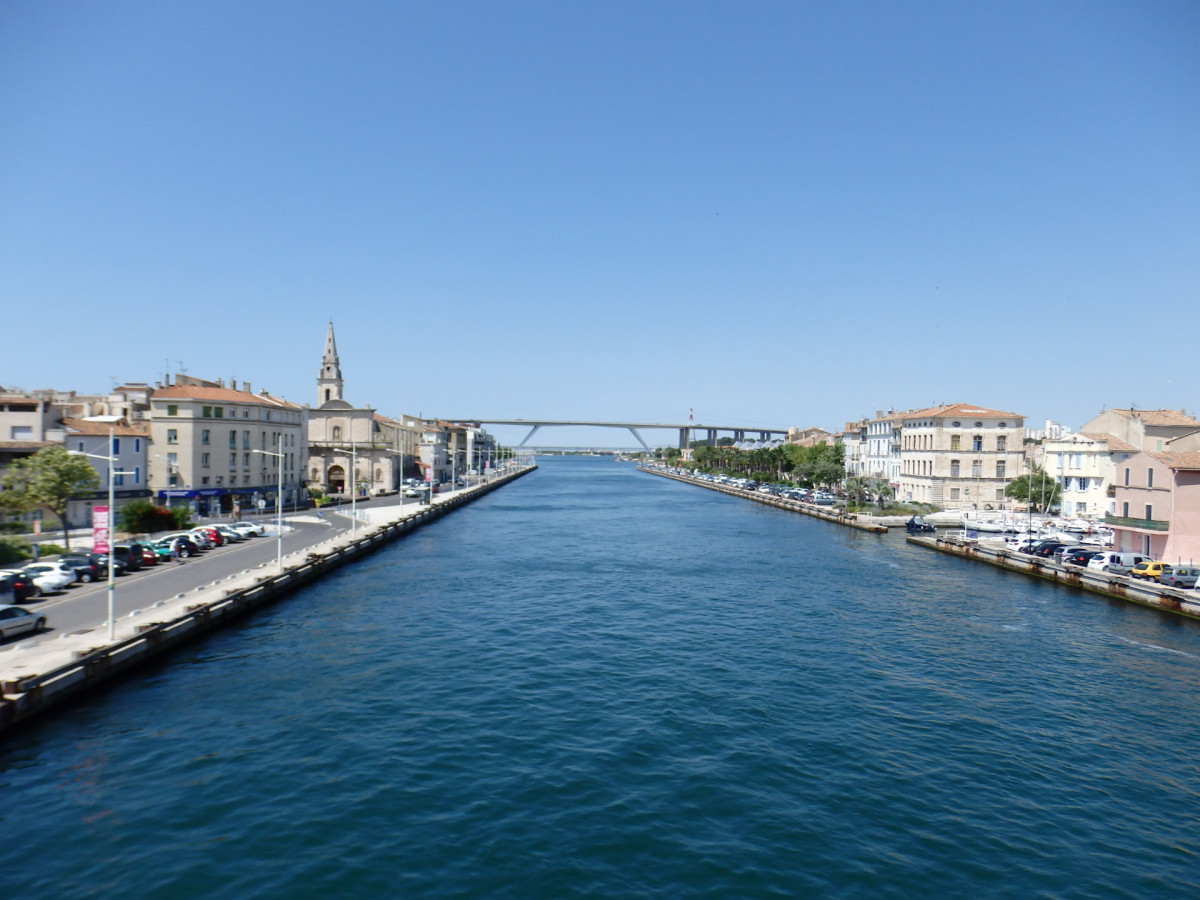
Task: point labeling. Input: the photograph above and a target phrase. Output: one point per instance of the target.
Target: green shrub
(146, 517)
(14, 550)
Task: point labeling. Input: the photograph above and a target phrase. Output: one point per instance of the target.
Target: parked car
(187, 546)
(1061, 553)
(17, 585)
(212, 533)
(51, 576)
(88, 566)
(1150, 570)
(1115, 563)
(17, 619)
(1180, 576)
(201, 539)
(129, 554)
(118, 566)
(1079, 558)
(149, 555)
(231, 535)
(253, 529)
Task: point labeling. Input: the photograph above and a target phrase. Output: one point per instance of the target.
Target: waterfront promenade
(78, 619)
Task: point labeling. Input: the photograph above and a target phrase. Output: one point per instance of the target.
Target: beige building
(1083, 465)
(216, 448)
(354, 449)
(959, 456)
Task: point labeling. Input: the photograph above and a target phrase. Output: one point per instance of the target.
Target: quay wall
(850, 520)
(26, 696)
(1144, 593)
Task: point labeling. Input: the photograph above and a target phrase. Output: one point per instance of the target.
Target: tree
(49, 479)
(1036, 488)
(857, 487)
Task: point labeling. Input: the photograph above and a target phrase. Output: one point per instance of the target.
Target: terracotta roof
(963, 410)
(124, 429)
(1159, 416)
(226, 395)
(1114, 443)
(1179, 459)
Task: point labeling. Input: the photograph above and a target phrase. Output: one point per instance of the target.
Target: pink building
(1158, 505)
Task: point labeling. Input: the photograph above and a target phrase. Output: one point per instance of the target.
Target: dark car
(130, 554)
(1047, 548)
(187, 547)
(118, 566)
(1080, 558)
(21, 586)
(88, 566)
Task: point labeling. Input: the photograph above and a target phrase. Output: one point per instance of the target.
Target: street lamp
(112, 473)
(278, 501)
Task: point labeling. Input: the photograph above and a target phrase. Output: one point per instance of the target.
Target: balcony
(1142, 524)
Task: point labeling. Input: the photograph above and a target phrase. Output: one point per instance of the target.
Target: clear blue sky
(777, 213)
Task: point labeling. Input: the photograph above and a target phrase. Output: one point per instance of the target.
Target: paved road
(85, 606)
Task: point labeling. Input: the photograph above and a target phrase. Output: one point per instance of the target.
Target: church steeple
(329, 383)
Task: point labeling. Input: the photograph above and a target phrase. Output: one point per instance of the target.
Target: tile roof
(958, 409)
(1114, 443)
(1159, 416)
(226, 395)
(123, 429)
(1178, 459)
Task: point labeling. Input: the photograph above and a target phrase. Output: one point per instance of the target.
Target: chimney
(246, 387)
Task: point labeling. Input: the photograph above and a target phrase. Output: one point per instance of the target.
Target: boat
(918, 525)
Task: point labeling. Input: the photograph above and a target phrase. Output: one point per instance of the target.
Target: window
(977, 443)
(204, 479)
(79, 447)
(221, 479)
(978, 424)
(233, 479)
(22, 432)
(268, 416)
(218, 412)
(172, 435)
(1126, 477)
(1002, 443)
(116, 447)
(1000, 469)
(119, 480)
(233, 460)
(137, 474)
(1125, 510)
(204, 436)
(204, 460)
(172, 409)
(233, 440)
(1083, 484)
(954, 468)
(245, 413)
(954, 493)
(206, 413)
(245, 460)
(137, 445)
(977, 468)
(1149, 512)
(999, 495)
(956, 442)
(245, 440)
(337, 432)
(1149, 480)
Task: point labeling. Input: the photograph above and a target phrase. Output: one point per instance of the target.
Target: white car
(16, 619)
(253, 529)
(51, 576)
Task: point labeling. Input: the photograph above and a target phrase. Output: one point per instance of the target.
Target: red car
(214, 536)
(149, 557)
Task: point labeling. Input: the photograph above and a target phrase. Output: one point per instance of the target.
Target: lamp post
(278, 501)
(111, 459)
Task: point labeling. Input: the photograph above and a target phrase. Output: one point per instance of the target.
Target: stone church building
(353, 448)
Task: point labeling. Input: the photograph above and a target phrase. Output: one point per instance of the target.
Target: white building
(1083, 464)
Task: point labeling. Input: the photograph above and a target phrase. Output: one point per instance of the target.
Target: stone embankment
(1144, 593)
(850, 520)
(40, 674)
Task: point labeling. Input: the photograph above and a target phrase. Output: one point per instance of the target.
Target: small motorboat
(918, 525)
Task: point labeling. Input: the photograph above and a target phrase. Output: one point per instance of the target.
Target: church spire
(329, 383)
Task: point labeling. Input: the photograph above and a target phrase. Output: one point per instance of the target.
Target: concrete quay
(1122, 587)
(850, 520)
(42, 672)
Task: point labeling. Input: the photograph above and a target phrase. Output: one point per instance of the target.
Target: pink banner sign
(100, 536)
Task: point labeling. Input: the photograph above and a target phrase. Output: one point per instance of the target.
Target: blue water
(600, 683)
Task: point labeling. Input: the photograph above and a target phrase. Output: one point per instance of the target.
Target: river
(600, 683)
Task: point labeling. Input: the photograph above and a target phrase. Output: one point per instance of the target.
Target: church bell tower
(329, 383)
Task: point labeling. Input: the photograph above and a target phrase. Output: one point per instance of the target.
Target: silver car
(17, 619)
(52, 576)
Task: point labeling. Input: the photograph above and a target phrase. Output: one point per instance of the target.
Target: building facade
(1084, 465)
(130, 449)
(960, 456)
(354, 450)
(222, 450)
(1158, 505)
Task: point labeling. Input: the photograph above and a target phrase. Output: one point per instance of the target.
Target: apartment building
(959, 456)
(1084, 465)
(219, 449)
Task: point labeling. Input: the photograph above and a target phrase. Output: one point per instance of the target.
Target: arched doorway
(337, 479)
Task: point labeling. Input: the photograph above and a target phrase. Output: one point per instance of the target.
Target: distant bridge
(738, 432)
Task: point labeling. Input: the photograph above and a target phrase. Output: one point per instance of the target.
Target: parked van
(1116, 563)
